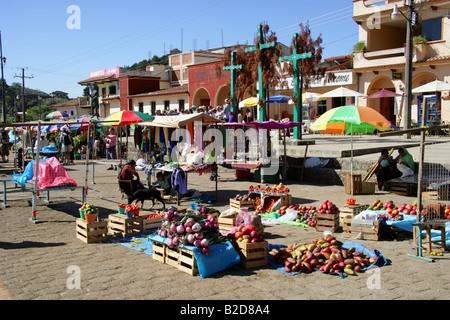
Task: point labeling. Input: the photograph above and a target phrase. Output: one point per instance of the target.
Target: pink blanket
(52, 174)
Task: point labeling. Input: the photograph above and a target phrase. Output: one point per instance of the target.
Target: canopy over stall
(269, 125)
(180, 121)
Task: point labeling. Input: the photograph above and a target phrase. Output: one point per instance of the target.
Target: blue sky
(114, 33)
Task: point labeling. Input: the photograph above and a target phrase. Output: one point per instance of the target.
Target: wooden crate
(152, 223)
(368, 187)
(182, 259)
(361, 229)
(351, 210)
(253, 255)
(121, 226)
(326, 221)
(226, 223)
(91, 232)
(353, 184)
(404, 189)
(159, 251)
(236, 204)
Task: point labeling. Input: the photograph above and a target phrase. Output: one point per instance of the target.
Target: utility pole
(3, 60)
(23, 91)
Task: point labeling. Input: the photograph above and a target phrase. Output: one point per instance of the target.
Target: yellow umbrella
(250, 102)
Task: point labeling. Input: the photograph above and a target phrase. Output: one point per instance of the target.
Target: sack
(66, 140)
(290, 215)
(405, 170)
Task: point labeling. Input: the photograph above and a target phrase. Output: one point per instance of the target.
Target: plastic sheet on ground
(272, 216)
(407, 225)
(222, 256)
(381, 261)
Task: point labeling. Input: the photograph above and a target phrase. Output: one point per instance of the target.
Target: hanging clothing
(178, 181)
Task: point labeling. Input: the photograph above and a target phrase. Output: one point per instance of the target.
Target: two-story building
(381, 63)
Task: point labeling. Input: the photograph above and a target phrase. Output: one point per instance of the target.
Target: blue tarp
(407, 224)
(381, 261)
(222, 256)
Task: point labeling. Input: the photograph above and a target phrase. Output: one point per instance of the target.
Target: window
(166, 105)
(181, 105)
(141, 107)
(432, 29)
(112, 90)
(321, 107)
(153, 107)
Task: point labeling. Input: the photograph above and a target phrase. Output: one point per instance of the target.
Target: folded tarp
(51, 174)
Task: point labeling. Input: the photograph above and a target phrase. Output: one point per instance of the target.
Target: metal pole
(411, 22)
(3, 81)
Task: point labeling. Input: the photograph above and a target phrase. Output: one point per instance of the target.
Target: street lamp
(411, 18)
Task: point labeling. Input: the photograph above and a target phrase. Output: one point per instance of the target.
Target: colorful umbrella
(352, 119)
(383, 93)
(124, 117)
(57, 114)
(250, 102)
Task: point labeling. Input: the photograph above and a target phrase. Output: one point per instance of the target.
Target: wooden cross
(233, 69)
(261, 89)
(295, 58)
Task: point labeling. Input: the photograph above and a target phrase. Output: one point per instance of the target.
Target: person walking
(5, 146)
(110, 143)
(66, 145)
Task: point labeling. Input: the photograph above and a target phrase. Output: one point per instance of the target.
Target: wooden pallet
(252, 255)
(182, 259)
(91, 232)
(326, 222)
(121, 226)
(159, 251)
(351, 210)
(236, 204)
(361, 229)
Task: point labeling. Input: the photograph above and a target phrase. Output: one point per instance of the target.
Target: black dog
(146, 194)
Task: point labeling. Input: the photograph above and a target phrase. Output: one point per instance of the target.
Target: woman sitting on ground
(387, 169)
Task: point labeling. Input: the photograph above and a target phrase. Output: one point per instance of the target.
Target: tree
(248, 77)
(309, 69)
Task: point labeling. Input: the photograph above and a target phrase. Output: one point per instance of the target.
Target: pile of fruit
(307, 215)
(89, 208)
(154, 215)
(325, 254)
(240, 197)
(328, 207)
(274, 189)
(190, 229)
(246, 234)
(268, 204)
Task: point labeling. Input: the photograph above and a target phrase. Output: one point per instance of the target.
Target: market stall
(261, 161)
(187, 161)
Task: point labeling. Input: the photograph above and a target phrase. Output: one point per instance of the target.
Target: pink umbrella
(383, 93)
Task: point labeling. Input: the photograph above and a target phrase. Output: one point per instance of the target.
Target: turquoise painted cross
(262, 90)
(233, 69)
(295, 58)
